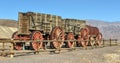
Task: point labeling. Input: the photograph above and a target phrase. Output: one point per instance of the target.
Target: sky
(106, 10)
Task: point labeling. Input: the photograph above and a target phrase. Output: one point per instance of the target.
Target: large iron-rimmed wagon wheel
(99, 39)
(83, 37)
(92, 40)
(70, 36)
(36, 38)
(18, 45)
(57, 33)
(81, 41)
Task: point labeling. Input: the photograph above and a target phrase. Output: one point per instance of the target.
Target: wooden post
(116, 42)
(59, 48)
(103, 43)
(11, 50)
(110, 42)
(3, 49)
(74, 45)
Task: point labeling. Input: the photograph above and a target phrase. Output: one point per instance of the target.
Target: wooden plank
(11, 51)
(15, 41)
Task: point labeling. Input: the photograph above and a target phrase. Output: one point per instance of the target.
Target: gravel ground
(97, 55)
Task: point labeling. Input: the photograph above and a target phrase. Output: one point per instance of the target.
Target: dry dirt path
(98, 55)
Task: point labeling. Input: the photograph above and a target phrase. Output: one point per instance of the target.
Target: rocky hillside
(7, 28)
(8, 22)
(6, 32)
(108, 29)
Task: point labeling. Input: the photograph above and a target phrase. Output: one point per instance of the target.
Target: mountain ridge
(8, 22)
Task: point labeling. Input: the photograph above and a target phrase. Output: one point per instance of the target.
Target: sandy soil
(97, 55)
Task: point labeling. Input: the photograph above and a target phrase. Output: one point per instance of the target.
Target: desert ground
(97, 55)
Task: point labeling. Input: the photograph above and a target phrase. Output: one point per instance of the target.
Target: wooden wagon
(72, 29)
(38, 26)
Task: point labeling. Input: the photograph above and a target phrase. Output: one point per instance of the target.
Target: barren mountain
(8, 22)
(7, 28)
(6, 32)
